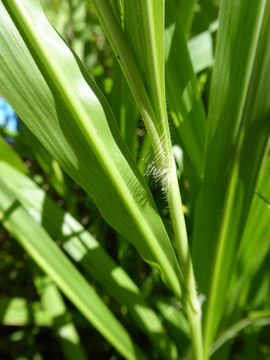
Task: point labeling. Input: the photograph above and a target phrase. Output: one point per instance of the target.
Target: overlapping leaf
(184, 101)
(255, 241)
(237, 138)
(144, 29)
(125, 110)
(44, 251)
(62, 321)
(63, 107)
(186, 10)
(85, 250)
(10, 156)
(201, 51)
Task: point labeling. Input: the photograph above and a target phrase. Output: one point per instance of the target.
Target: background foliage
(91, 277)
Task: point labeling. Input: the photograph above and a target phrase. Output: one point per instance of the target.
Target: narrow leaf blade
(237, 140)
(53, 262)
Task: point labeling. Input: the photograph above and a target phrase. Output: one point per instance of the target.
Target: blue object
(8, 118)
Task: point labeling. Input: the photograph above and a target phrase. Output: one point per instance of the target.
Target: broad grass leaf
(51, 92)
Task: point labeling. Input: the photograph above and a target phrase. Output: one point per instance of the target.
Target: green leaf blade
(52, 261)
(86, 251)
(185, 104)
(144, 23)
(237, 140)
(78, 128)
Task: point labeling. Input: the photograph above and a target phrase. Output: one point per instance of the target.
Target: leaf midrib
(70, 99)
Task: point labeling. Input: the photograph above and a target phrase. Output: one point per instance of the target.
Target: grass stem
(191, 303)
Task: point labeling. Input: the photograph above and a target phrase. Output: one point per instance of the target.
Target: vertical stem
(161, 143)
(191, 303)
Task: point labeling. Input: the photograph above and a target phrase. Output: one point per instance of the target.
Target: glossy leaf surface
(65, 110)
